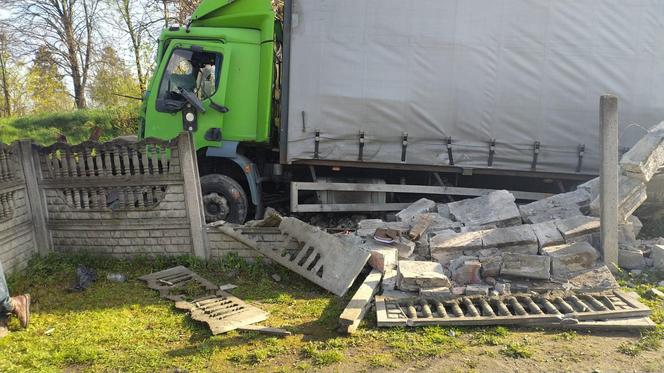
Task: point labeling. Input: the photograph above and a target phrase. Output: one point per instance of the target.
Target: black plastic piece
(581, 151)
(361, 144)
(404, 146)
(174, 28)
(316, 144)
(213, 134)
(492, 152)
(220, 108)
(449, 151)
(536, 150)
(189, 125)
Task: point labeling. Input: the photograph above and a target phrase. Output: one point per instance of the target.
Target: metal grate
(168, 281)
(222, 312)
(517, 309)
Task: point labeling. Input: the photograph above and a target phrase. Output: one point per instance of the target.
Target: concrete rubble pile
(491, 247)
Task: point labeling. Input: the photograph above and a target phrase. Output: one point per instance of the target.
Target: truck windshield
(193, 71)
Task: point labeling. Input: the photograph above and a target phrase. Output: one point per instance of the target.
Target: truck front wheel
(223, 199)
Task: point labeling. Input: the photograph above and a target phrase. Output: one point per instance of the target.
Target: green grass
(127, 327)
(75, 125)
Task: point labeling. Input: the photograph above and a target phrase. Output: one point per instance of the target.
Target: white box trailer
(487, 85)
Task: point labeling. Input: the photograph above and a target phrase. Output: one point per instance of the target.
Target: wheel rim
(216, 207)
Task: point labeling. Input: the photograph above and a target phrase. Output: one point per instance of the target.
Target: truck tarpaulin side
(515, 72)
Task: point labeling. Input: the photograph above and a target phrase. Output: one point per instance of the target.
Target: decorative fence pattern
(119, 198)
(17, 233)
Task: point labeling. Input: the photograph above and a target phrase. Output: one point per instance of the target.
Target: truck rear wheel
(223, 199)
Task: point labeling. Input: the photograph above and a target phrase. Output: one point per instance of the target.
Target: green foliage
(45, 86)
(517, 350)
(75, 125)
(113, 80)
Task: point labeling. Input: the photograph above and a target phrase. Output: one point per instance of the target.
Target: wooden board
(509, 310)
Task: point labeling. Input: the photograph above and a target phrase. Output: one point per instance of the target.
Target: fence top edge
(115, 142)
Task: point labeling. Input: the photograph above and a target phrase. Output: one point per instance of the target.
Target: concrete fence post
(34, 195)
(609, 179)
(192, 194)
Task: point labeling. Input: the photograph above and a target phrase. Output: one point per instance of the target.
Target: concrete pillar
(35, 196)
(193, 195)
(608, 128)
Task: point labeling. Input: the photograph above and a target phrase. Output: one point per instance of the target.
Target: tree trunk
(5, 85)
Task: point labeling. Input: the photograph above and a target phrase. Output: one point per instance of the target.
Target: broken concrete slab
(554, 213)
(367, 227)
(577, 226)
(629, 230)
(271, 218)
(517, 239)
(413, 275)
(420, 224)
(657, 256)
(593, 280)
(405, 248)
(496, 208)
(559, 206)
(360, 303)
(443, 210)
(439, 292)
(384, 258)
(571, 258)
(491, 265)
(222, 312)
(420, 206)
(631, 258)
(482, 290)
(389, 282)
(170, 283)
(456, 241)
(547, 234)
(645, 157)
(467, 273)
(318, 256)
(528, 266)
(632, 192)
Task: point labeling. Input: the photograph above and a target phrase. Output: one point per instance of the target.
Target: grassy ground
(127, 327)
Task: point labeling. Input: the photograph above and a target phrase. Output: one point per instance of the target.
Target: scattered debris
(227, 287)
(494, 209)
(655, 293)
(222, 312)
(276, 277)
(84, 278)
(116, 277)
(317, 256)
(549, 310)
(219, 309)
(265, 330)
(357, 307)
(413, 275)
(170, 282)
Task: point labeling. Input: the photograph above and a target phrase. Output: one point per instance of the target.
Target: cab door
(189, 92)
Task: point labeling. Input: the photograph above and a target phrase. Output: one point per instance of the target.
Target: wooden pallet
(168, 281)
(509, 310)
(222, 312)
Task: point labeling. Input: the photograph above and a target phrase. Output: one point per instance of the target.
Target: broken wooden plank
(522, 310)
(361, 302)
(318, 256)
(265, 330)
(222, 312)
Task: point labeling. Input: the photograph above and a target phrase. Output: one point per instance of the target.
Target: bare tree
(4, 73)
(67, 28)
(137, 23)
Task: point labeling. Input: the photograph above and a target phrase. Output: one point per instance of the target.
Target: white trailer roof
(517, 71)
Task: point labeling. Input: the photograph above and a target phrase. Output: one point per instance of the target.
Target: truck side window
(193, 71)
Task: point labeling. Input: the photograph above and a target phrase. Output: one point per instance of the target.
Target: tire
(223, 199)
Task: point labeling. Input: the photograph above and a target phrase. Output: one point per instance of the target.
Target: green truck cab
(215, 78)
